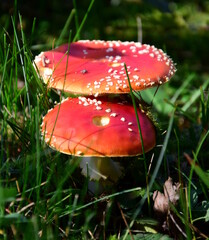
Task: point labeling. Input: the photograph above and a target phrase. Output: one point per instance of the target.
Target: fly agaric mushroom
(91, 127)
(97, 67)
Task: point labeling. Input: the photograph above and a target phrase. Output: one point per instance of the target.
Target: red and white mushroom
(97, 67)
(97, 127)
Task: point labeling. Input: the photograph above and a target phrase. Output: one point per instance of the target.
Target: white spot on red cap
(110, 49)
(113, 114)
(108, 110)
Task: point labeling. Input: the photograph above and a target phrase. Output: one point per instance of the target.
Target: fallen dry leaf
(170, 195)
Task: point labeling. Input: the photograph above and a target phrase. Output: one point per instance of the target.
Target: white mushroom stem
(97, 168)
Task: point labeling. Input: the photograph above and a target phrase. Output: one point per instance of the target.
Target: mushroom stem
(101, 168)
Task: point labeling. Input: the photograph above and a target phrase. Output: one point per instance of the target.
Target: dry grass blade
(124, 219)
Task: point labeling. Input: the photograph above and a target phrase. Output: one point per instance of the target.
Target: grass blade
(194, 97)
(198, 170)
(83, 21)
(137, 117)
(102, 199)
(23, 67)
(140, 133)
(154, 175)
(76, 18)
(65, 29)
(183, 86)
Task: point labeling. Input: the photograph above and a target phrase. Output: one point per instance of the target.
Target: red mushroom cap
(95, 127)
(97, 67)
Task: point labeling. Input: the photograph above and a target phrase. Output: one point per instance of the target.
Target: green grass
(42, 192)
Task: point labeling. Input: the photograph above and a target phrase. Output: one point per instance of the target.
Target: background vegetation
(42, 194)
